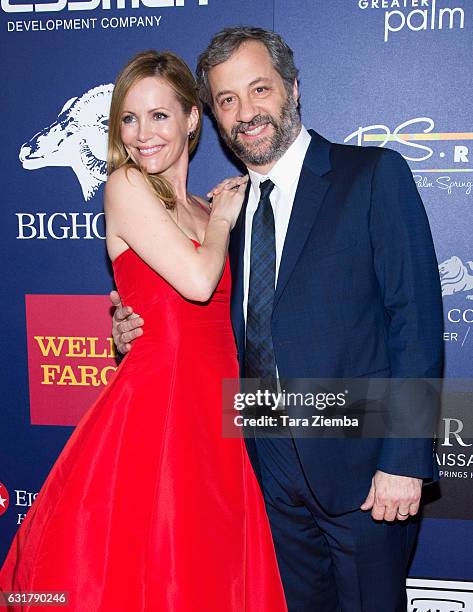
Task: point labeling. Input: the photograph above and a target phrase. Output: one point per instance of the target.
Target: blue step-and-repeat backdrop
(395, 73)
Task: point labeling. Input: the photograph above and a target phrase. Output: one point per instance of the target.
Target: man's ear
(295, 90)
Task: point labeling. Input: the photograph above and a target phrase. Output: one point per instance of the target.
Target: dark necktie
(260, 362)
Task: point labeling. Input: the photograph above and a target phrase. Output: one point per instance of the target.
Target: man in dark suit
(335, 276)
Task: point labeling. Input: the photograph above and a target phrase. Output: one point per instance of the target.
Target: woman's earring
(191, 135)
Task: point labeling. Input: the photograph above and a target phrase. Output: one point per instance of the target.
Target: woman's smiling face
(154, 127)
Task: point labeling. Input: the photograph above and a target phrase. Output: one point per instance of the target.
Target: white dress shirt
(285, 176)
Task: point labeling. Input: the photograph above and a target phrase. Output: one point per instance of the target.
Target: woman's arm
(135, 215)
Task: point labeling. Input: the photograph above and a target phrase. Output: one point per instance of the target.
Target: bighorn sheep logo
(455, 276)
(78, 138)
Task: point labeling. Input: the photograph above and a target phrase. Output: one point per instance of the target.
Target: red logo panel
(4, 499)
(70, 355)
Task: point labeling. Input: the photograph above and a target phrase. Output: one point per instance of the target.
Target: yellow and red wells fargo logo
(71, 355)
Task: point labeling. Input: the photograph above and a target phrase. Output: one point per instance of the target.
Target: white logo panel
(439, 596)
(77, 138)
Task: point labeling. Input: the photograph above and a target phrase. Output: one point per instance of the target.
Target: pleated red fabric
(149, 507)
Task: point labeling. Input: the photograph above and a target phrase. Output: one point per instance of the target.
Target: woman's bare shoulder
(127, 186)
(125, 177)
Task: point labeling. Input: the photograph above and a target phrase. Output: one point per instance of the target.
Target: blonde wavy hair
(177, 74)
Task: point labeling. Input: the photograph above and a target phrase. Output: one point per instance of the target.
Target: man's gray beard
(286, 130)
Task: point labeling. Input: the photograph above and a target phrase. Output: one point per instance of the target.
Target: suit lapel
(311, 190)
(310, 194)
(237, 249)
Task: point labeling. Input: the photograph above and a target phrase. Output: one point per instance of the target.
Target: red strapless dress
(148, 507)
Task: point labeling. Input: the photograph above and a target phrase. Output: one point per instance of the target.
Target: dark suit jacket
(357, 295)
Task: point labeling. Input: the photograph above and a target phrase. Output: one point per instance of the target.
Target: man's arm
(407, 272)
(127, 325)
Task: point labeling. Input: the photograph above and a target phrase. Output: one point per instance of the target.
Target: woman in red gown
(148, 507)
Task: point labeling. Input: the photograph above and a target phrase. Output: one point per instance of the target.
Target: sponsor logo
(429, 604)
(76, 139)
(60, 226)
(90, 5)
(89, 23)
(456, 277)
(448, 152)
(4, 499)
(70, 355)
(454, 455)
(21, 499)
(415, 15)
(412, 136)
(439, 595)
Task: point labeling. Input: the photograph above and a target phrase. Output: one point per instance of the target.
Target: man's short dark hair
(224, 44)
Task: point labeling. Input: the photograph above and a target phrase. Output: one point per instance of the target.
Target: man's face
(257, 118)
